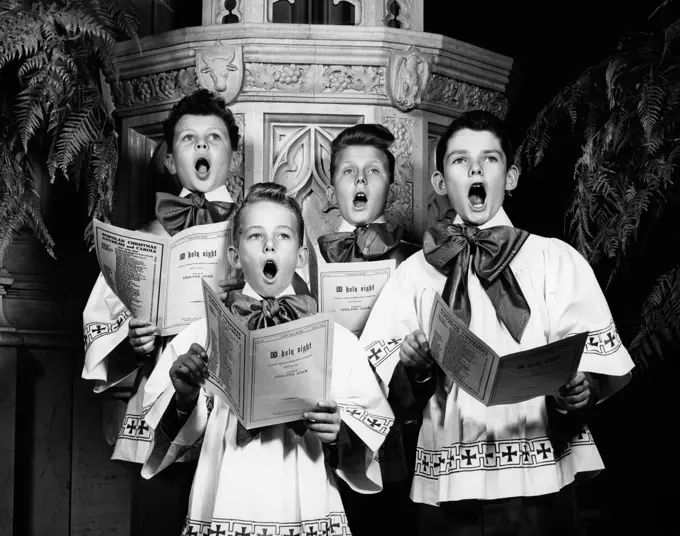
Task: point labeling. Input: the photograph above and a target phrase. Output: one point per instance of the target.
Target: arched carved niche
(297, 155)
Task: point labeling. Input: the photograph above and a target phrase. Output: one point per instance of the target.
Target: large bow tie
(264, 313)
(268, 312)
(178, 213)
(367, 243)
(449, 247)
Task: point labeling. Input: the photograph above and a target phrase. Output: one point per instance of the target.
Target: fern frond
(660, 320)
(80, 130)
(650, 105)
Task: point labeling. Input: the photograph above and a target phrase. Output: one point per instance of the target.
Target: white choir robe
(106, 324)
(392, 454)
(469, 451)
(277, 484)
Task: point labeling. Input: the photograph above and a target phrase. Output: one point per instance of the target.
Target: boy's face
(475, 175)
(201, 153)
(268, 249)
(361, 184)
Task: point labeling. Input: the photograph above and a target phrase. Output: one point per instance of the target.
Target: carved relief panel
(297, 155)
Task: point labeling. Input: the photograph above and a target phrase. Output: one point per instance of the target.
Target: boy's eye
(492, 159)
(374, 170)
(215, 137)
(348, 171)
(187, 137)
(459, 160)
(285, 236)
(255, 236)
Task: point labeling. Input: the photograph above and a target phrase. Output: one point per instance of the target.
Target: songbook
(158, 278)
(348, 290)
(494, 379)
(271, 375)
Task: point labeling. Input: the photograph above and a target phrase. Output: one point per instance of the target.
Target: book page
(347, 291)
(226, 348)
(463, 356)
(195, 254)
(132, 264)
(291, 368)
(537, 372)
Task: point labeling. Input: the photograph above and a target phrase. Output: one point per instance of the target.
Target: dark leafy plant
(626, 112)
(55, 119)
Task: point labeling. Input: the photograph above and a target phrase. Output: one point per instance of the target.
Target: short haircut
(364, 134)
(477, 120)
(274, 193)
(200, 102)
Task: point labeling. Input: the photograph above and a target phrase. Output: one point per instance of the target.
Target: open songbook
(494, 379)
(348, 290)
(270, 375)
(158, 278)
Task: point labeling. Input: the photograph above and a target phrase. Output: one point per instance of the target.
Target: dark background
(551, 44)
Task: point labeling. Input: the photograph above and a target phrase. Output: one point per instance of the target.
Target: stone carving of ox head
(218, 69)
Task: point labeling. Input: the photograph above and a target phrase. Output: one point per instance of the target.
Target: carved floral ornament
(408, 76)
(304, 79)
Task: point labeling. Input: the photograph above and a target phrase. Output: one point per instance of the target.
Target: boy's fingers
(323, 428)
(143, 331)
(142, 341)
(577, 398)
(329, 406)
(145, 349)
(422, 341)
(198, 350)
(579, 377)
(321, 417)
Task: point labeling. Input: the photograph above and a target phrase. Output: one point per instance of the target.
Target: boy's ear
(512, 178)
(330, 194)
(232, 255)
(438, 183)
(169, 162)
(303, 257)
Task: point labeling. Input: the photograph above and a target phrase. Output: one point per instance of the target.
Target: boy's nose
(475, 168)
(201, 145)
(361, 178)
(269, 245)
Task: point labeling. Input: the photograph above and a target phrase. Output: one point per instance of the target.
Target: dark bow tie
(366, 243)
(449, 248)
(178, 213)
(265, 313)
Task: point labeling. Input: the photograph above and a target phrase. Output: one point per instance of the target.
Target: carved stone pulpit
(294, 87)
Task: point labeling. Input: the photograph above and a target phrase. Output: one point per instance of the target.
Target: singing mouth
(270, 269)
(477, 195)
(360, 200)
(202, 165)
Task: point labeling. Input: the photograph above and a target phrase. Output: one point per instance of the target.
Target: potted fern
(55, 119)
(623, 217)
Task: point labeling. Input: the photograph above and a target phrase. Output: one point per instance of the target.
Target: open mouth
(360, 200)
(270, 269)
(202, 165)
(477, 195)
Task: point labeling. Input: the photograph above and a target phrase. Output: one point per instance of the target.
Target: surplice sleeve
(159, 394)
(392, 317)
(363, 409)
(575, 304)
(106, 323)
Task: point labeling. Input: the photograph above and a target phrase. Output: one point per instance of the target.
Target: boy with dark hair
(201, 135)
(516, 291)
